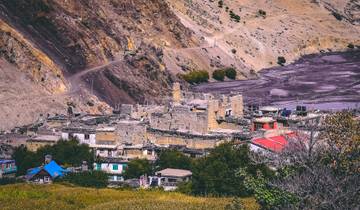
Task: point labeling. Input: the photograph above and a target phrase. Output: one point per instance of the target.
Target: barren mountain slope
(72, 49)
(82, 52)
(288, 28)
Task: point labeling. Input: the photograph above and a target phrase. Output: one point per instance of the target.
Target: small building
(114, 167)
(147, 151)
(33, 144)
(106, 142)
(85, 135)
(170, 178)
(264, 123)
(46, 174)
(7, 168)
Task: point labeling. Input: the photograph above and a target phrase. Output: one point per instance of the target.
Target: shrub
(234, 16)
(262, 13)
(281, 60)
(230, 73)
(337, 16)
(96, 179)
(221, 4)
(196, 77)
(137, 168)
(219, 75)
(233, 51)
(351, 46)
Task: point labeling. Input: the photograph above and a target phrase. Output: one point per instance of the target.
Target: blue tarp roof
(52, 168)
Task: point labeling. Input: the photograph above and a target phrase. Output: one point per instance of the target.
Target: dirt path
(76, 83)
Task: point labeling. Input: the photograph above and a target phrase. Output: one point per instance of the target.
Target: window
(98, 166)
(46, 179)
(115, 167)
(87, 136)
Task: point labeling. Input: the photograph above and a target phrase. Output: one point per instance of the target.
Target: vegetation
(97, 179)
(138, 167)
(281, 60)
(234, 16)
(351, 46)
(221, 4)
(337, 16)
(68, 153)
(262, 13)
(315, 171)
(216, 174)
(173, 159)
(196, 77)
(230, 73)
(23, 196)
(219, 74)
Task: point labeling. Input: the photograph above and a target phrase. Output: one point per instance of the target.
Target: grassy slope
(24, 196)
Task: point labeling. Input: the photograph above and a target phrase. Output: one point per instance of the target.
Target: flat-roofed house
(169, 178)
(33, 144)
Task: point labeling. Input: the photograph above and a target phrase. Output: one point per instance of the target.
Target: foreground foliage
(96, 179)
(67, 153)
(23, 196)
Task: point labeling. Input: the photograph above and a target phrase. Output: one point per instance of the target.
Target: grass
(26, 196)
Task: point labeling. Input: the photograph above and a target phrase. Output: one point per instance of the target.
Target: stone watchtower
(176, 93)
(237, 105)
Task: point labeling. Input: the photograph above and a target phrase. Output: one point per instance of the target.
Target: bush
(97, 179)
(234, 16)
(337, 16)
(173, 159)
(6, 180)
(196, 77)
(281, 60)
(261, 13)
(351, 46)
(219, 75)
(233, 51)
(230, 73)
(137, 168)
(221, 4)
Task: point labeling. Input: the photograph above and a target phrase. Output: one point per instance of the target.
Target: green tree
(68, 153)
(196, 77)
(137, 168)
(230, 73)
(173, 159)
(215, 174)
(219, 75)
(96, 179)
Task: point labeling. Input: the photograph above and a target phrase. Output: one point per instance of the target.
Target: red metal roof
(275, 144)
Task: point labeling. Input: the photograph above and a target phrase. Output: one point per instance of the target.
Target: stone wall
(131, 132)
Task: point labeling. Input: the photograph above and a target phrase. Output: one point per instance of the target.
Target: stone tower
(212, 111)
(176, 93)
(237, 105)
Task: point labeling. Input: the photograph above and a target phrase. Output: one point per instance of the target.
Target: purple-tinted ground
(326, 81)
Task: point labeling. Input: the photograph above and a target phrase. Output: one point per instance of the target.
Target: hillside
(96, 54)
(22, 196)
(266, 30)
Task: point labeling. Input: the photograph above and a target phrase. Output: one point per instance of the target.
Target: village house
(7, 168)
(34, 143)
(169, 178)
(46, 174)
(114, 167)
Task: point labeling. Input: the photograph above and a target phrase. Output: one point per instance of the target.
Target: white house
(114, 167)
